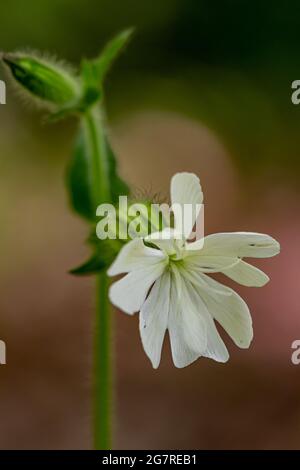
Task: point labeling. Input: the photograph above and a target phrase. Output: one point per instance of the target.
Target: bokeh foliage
(228, 64)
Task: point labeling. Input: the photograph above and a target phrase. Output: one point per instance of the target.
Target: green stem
(95, 138)
(97, 151)
(102, 368)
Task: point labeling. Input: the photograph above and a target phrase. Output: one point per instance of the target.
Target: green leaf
(78, 180)
(118, 186)
(105, 252)
(93, 265)
(110, 53)
(94, 71)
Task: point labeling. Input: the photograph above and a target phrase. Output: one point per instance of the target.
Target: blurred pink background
(46, 315)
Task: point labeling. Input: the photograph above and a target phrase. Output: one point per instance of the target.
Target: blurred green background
(206, 87)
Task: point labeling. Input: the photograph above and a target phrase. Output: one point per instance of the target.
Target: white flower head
(167, 283)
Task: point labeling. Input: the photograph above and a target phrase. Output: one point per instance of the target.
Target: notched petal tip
(265, 248)
(277, 247)
(245, 343)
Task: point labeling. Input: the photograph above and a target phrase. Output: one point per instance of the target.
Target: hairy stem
(97, 151)
(102, 368)
(95, 141)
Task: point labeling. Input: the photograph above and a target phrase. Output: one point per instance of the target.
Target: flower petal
(135, 255)
(187, 328)
(229, 309)
(208, 263)
(246, 275)
(154, 318)
(216, 348)
(186, 189)
(238, 244)
(130, 292)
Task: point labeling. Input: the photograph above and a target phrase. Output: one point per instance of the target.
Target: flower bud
(45, 80)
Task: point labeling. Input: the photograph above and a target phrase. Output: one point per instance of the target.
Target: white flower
(170, 288)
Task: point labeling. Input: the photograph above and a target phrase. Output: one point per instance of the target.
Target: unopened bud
(50, 82)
